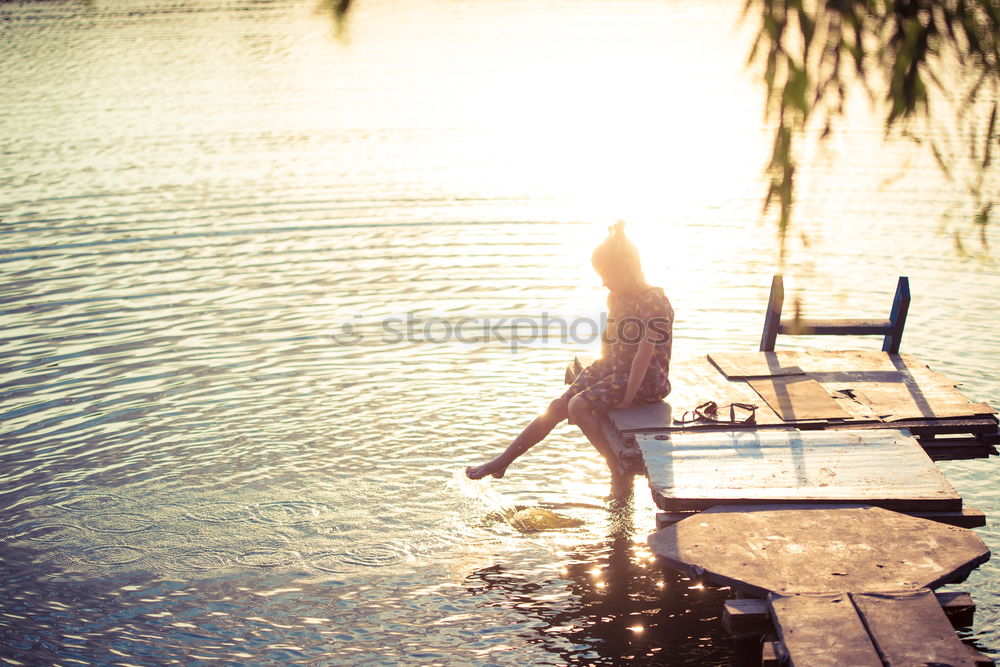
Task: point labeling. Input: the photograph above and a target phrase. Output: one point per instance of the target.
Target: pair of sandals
(708, 413)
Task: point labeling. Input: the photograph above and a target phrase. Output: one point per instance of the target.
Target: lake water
(235, 247)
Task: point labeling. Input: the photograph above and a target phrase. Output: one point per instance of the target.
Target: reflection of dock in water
(825, 513)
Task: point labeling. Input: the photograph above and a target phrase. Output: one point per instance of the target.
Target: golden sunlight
(645, 115)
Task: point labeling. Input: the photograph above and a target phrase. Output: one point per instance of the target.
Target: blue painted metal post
(772, 318)
(900, 306)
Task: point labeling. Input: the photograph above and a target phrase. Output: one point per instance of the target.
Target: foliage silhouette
(910, 56)
(907, 55)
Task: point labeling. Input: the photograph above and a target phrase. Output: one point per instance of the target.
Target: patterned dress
(631, 319)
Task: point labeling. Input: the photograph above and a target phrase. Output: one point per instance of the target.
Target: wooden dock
(825, 512)
(843, 585)
(695, 471)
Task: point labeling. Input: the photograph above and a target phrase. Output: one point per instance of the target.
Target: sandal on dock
(708, 412)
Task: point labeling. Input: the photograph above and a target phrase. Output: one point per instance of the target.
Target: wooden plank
(798, 397)
(956, 448)
(627, 458)
(958, 451)
(769, 655)
(926, 427)
(989, 438)
(909, 628)
(693, 471)
(842, 327)
(664, 519)
(920, 398)
(694, 380)
(751, 617)
(743, 365)
(772, 316)
(958, 606)
(798, 549)
(952, 440)
(656, 416)
(892, 386)
(833, 361)
(903, 381)
(965, 518)
(747, 617)
(820, 630)
(979, 659)
(897, 316)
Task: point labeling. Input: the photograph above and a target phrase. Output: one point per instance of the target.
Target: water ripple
(376, 555)
(110, 555)
(196, 561)
(329, 562)
(89, 502)
(118, 522)
(191, 457)
(268, 557)
(50, 533)
(290, 513)
(220, 512)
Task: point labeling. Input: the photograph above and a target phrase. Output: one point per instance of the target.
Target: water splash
(524, 519)
(482, 491)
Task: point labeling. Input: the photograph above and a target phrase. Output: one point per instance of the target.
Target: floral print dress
(631, 319)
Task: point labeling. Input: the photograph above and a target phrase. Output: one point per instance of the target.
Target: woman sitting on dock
(634, 363)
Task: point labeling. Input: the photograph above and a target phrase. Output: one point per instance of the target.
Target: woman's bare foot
(495, 467)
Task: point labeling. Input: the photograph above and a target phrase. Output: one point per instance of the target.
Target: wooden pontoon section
(826, 514)
(836, 585)
(884, 468)
(876, 390)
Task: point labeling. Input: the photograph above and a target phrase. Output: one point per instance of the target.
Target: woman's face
(613, 280)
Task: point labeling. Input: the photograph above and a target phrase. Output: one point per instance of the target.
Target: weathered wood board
(643, 417)
(964, 518)
(871, 387)
(800, 549)
(823, 629)
(910, 628)
(693, 380)
(769, 655)
(798, 398)
(741, 366)
(876, 384)
(834, 361)
(627, 458)
(751, 617)
(690, 471)
(982, 427)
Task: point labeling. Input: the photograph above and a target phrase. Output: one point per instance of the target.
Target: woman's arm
(640, 364)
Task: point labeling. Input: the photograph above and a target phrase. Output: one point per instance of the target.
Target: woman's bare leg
(581, 412)
(532, 434)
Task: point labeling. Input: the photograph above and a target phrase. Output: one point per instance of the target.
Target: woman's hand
(640, 364)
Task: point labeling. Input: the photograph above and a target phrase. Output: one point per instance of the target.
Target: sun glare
(646, 133)
(571, 114)
(648, 120)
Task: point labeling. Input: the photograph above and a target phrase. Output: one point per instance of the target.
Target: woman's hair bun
(617, 253)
